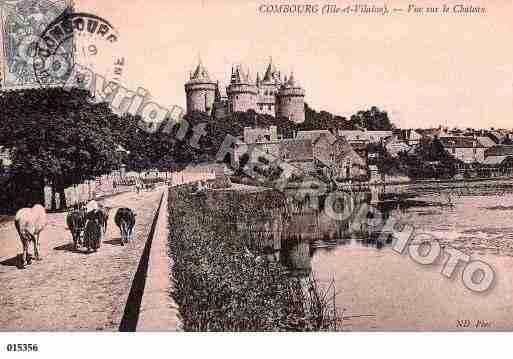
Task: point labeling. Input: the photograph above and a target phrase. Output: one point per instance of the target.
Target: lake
(379, 289)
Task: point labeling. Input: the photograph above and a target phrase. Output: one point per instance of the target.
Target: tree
(323, 121)
(430, 160)
(373, 119)
(56, 137)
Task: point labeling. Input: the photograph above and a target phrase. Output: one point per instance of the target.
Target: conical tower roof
(271, 73)
(291, 82)
(239, 76)
(248, 75)
(200, 74)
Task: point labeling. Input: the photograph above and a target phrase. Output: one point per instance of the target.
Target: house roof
(394, 147)
(494, 160)
(361, 135)
(314, 135)
(296, 149)
(380, 133)
(498, 135)
(460, 142)
(428, 131)
(486, 141)
(499, 150)
(353, 135)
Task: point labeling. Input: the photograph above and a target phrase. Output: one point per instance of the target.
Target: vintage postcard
(255, 166)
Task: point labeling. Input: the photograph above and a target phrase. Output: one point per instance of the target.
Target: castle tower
(200, 90)
(242, 93)
(290, 101)
(268, 88)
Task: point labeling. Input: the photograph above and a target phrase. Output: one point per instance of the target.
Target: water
(378, 289)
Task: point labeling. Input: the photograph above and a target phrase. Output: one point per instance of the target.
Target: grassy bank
(221, 281)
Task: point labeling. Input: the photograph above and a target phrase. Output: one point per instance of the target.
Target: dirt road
(72, 290)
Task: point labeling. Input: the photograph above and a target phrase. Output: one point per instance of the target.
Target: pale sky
(425, 70)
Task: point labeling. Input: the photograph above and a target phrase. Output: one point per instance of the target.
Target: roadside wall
(159, 312)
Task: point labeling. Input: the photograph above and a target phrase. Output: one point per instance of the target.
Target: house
(375, 136)
(497, 136)
(354, 137)
(364, 137)
(498, 161)
(394, 146)
(465, 149)
(408, 136)
(334, 157)
(499, 150)
(313, 135)
(296, 152)
(323, 146)
(348, 164)
(254, 135)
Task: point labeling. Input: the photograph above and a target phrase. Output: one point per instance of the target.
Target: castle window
(260, 106)
(237, 97)
(269, 107)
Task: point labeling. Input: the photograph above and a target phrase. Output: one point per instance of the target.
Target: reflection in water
(296, 233)
(310, 228)
(372, 280)
(404, 295)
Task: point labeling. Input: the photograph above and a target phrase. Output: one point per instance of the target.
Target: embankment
(223, 280)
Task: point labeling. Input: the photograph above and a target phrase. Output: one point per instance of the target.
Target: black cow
(125, 220)
(76, 221)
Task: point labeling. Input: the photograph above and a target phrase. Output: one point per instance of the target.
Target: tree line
(61, 138)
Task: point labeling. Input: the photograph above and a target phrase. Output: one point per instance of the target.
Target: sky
(424, 70)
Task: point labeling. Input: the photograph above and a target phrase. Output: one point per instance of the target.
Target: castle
(271, 95)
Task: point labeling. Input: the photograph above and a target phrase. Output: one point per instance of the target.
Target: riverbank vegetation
(223, 283)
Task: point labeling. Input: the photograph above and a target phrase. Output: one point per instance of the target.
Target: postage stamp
(22, 22)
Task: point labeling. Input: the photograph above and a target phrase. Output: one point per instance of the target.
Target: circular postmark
(72, 39)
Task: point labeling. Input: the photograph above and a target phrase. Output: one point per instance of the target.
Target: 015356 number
(22, 348)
